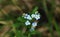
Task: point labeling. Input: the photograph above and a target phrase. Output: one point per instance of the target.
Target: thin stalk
(29, 35)
(57, 27)
(14, 2)
(48, 16)
(53, 2)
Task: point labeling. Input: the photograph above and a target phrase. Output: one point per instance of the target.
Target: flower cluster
(36, 16)
(28, 17)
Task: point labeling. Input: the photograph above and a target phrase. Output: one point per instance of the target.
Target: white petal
(27, 22)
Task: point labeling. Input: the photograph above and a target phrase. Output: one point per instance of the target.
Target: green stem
(53, 2)
(48, 16)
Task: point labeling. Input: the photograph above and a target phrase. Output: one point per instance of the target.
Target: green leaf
(34, 10)
(1, 25)
(16, 25)
(12, 34)
(21, 19)
(19, 34)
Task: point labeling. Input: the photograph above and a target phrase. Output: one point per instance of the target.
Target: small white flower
(25, 15)
(34, 24)
(28, 17)
(33, 15)
(27, 22)
(37, 16)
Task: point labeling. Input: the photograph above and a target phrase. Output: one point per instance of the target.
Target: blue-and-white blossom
(26, 16)
(34, 24)
(27, 23)
(37, 16)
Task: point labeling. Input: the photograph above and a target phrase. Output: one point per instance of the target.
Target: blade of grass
(53, 2)
(19, 8)
(48, 16)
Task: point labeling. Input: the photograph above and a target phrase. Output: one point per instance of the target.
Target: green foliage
(12, 34)
(1, 25)
(34, 10)
(21, 19)
(19, 34)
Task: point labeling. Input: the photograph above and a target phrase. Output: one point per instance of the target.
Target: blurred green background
(11, 22)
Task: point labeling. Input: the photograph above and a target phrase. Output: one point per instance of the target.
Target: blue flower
(34, 24)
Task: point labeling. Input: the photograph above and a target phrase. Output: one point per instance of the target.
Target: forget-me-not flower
(34, 24)
(27, 23)
(33, 15)
(26, 16)
(36, 15)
